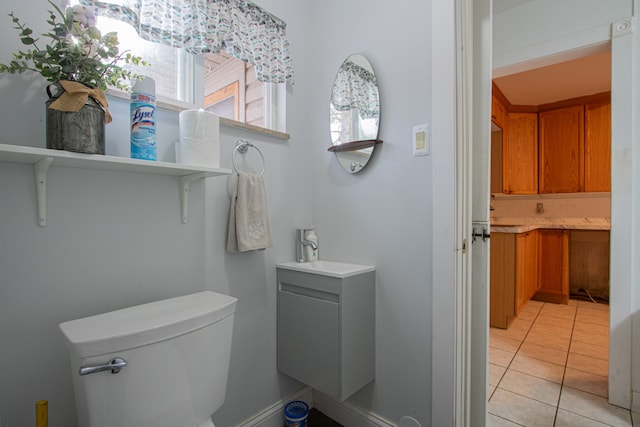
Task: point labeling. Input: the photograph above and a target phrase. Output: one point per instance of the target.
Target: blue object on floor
(295, 414)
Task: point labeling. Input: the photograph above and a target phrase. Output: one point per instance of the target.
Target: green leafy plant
(77, 51)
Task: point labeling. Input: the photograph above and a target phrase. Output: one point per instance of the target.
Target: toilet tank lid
(145, 324)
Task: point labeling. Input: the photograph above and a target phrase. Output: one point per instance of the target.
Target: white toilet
(176, 353)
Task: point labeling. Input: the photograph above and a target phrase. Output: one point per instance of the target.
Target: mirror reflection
(354, 113)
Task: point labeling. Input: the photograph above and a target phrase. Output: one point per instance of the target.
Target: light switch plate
(421, 140)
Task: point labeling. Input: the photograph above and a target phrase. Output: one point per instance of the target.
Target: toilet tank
(177, 353)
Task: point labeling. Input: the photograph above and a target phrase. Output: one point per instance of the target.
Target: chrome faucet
(301, 242)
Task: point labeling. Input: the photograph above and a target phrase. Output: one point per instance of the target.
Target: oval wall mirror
(354, 113)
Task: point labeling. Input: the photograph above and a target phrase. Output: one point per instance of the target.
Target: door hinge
(480, 232)
(464, 246)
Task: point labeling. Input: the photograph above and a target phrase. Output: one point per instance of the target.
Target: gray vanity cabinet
(326, 330)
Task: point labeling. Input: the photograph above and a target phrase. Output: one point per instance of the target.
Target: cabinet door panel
(496, 161)
(498, 112)
(521, 250)
(532, 265)
(520, 154)
(554, 266)
(526, 267)
(309, 341)
(502, 264)
(529, 273)
(562, 150)
(597, 147)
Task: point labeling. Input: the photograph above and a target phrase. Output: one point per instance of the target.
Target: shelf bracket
(40, 169)
(184, 193)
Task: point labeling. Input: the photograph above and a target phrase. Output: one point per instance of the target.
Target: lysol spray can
(143, 119)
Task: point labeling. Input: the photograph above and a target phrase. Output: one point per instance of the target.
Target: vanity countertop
(327, 268)
(522, 225)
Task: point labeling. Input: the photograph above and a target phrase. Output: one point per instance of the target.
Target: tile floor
(550, 368)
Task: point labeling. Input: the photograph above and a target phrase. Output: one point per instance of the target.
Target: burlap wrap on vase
(81, 131)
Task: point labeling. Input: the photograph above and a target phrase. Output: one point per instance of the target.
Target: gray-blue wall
(382, 216)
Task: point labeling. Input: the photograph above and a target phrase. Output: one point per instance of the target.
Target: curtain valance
(238, 27)
(356, 88)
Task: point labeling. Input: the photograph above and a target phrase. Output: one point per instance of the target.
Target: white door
(467, 175)
(479, 155)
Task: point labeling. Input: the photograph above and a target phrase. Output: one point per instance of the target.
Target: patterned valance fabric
(237, 27)
(356, 88)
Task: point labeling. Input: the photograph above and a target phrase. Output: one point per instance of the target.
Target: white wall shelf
(42, 159)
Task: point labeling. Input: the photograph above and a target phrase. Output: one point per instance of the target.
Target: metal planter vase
(81, 132)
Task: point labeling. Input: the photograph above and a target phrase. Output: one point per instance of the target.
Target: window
(224, 102)
(349, 125)
(232, 89)
(229, 86)
(165, 61)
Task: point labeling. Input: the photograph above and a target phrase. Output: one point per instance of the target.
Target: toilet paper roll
(198, 151)
(199, 124)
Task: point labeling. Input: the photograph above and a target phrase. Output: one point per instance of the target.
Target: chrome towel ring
(242, 146)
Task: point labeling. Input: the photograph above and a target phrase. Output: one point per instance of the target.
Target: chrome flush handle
(114, 366)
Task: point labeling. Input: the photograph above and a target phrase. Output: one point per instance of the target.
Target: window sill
(178, 106)
(252, 128)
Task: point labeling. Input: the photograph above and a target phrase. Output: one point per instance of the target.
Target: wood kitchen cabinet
(562, 150)
(527, 258)
(499, 107)
(498, 112)
(520, 154)
(553, 276)
(524, 266)
(502, 289)
(597, 146)
(513, 275)
(564, 147)
(496, 161)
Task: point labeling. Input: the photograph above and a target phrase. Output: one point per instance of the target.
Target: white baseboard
(348, 414)
(343, 412)
(273, 416)
(635, 401)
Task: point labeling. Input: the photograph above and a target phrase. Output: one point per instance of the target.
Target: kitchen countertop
(522, 225)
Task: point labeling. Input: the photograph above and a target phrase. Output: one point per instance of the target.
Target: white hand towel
(249, 227)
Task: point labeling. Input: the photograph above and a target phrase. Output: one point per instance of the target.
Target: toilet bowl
(161, 364)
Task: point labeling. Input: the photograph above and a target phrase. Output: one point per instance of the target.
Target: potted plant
(80, 63)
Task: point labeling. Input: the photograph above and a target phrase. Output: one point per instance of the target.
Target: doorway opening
(549, 335)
